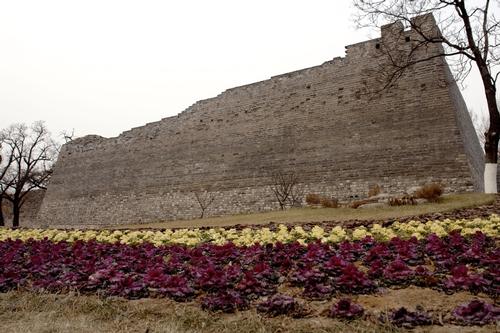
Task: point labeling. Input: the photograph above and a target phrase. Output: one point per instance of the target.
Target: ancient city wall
(325, 123)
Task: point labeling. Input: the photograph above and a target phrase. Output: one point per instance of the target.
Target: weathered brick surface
(324, 123)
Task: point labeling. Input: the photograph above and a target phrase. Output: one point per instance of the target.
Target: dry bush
(431, 192)
(402, 201)
(316, 199)
(329, 202)
(374, 190)
(313, 199)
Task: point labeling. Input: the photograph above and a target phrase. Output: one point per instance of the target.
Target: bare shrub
(284, 185)
(374, 190)
(402, 201)
(431, 192)
(329, 202)
(204, 199)
(313, 199)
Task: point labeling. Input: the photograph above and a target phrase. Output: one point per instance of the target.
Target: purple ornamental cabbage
(476, 312)
(461, 280)
(279, 305)
(228, 301)
(404, 318)
(398, 271)
(346, 309)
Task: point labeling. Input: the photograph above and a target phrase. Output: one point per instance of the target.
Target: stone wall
(327, 123)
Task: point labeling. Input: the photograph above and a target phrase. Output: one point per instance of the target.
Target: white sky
(103, 66)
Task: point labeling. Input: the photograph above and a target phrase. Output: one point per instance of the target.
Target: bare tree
(204, 198)
(67, 136)
(6, 180)
(30, 153)
(284, 186)
(468, 35)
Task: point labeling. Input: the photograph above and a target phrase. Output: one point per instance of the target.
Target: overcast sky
(103, 67)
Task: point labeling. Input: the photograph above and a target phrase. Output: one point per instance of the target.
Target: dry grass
(296, 215)
(22, 312)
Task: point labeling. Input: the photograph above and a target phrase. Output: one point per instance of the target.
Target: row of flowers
(248, 236)
(228, 277)
(475, 312)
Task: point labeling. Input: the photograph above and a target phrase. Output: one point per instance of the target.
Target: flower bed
(248, 236)
(445, 256)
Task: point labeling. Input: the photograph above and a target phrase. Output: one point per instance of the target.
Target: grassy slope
(296, 215)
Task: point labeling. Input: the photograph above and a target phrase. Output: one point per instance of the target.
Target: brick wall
(326, 123)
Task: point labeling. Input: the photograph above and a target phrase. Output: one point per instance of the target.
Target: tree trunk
(16, 212)
(492, 136)
(2, 219)
(491, 140)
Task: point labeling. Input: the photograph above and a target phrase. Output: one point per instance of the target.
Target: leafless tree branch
(205, 200)
(285, 188)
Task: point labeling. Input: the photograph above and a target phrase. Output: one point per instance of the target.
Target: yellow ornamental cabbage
(265, 236)
(298, 232)
(282, 228)
(469, 231)
(437, 229)
(247, 236)
(284, 236)
(337, 234)
(301, 241)
(417, 235)
(360, 233)
(317, 232)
